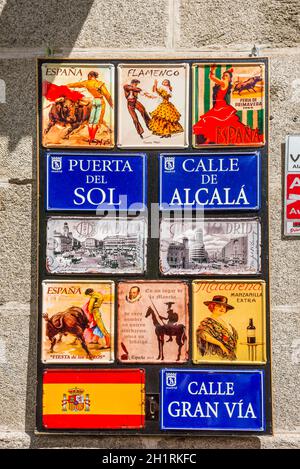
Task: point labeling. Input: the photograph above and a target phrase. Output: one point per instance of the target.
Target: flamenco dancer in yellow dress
(165, 118)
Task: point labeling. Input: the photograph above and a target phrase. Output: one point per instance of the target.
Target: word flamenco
(205, 409)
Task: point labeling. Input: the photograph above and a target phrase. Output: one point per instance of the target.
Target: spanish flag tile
(94, 399)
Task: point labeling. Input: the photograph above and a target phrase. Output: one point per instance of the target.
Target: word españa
(231, 135)
(204, 409)
(63, 290)
(63, 71)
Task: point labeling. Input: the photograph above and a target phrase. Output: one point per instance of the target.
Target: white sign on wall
(292, 186)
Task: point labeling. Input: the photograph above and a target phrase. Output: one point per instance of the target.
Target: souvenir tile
(93, 399)
(78, 321)
(292, 186)
(213, 399)
(219, 181)
(153, 322)
(96, 245)
(229, 321)
(96, 181)
(229, 104)
(77, 105)
(153, 105)
(210, 246)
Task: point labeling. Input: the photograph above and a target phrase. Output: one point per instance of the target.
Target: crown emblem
(56, 163)
(171, 379)
(169, 163)
(75, 401)
(75, 391)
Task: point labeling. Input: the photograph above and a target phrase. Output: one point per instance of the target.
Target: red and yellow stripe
(116, 398)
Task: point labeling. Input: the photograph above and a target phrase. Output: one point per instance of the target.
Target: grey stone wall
(122, 28)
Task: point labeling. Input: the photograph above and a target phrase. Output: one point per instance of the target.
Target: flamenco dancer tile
(153, 105)
(228, 104)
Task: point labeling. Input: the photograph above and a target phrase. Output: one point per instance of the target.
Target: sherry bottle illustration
(251, 330)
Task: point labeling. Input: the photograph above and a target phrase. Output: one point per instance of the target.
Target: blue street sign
(89, 181)
(211, 181)
(215, 399)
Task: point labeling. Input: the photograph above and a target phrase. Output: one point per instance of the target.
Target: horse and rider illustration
(167, 327)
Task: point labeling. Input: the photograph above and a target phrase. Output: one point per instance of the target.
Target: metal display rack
(152, 426)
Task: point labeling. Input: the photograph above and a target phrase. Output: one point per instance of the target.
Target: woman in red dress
(221, 115)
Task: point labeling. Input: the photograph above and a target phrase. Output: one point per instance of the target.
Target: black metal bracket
(152, 407)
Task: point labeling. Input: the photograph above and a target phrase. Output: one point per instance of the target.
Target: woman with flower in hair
(222, 115)
(165, 118)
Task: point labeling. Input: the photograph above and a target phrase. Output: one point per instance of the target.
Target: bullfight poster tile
(87, 245)
(228, 104)
(153, 322)
(229, 321)
(77, 105)
(93, 399)
(210, 246)
(153, 104)
(78, 321)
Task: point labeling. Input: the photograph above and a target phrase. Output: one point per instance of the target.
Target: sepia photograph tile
(90, 245)
(210, 246)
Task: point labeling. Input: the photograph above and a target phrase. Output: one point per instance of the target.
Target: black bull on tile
(71, 321)
(74, 114)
